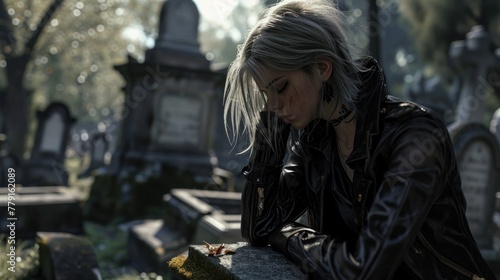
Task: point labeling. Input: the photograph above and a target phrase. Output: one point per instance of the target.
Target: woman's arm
(399, 209)
(270, 195)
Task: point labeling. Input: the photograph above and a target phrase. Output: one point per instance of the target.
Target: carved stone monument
(169, 120)
(477, 149)
(475, 59)
(45, 166)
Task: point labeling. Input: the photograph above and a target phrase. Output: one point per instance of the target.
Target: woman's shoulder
(400, 109)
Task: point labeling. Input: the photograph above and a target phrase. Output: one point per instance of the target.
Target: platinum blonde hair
(291, 35)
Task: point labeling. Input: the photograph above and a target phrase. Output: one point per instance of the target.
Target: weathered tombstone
(45, 166)
(478, 158)
(477, 149)
(67, 256)
(169, 122)
(99, 145)
(475, 59)
(177, 43)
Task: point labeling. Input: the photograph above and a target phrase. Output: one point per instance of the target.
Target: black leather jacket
(403, 216)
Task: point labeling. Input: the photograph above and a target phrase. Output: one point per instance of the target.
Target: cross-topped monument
(476, 148)
(476, 59)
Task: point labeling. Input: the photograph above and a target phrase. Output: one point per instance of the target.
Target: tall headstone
(45, 166)
(477, 149)
(169, 118)
(177, 43)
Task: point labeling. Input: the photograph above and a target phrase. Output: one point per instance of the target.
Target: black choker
(344, 113)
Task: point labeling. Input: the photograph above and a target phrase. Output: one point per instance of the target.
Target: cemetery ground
(109, 241)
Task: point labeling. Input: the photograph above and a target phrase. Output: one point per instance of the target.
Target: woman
(376, 175)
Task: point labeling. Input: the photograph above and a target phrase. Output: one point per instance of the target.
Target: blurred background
(109, 105)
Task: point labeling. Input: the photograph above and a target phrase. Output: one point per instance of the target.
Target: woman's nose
(274, 103)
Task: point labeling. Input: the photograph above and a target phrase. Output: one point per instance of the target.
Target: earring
(327, 92)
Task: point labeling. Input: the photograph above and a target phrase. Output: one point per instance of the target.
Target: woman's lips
(286, 119)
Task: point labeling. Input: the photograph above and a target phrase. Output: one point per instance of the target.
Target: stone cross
(477, 60)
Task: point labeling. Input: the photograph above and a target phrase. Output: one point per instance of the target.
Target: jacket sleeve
(270, 199)
(414, 179)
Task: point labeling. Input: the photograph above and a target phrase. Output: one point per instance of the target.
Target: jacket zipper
(260, 204)
(447, 261)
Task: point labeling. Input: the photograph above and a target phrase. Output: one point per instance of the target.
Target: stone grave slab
(221, 214)
(151, 245)
(51, 209)
(247, 262)
(67, 256)
(191, 216)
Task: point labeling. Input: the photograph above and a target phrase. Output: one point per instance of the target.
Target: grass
(26, 260)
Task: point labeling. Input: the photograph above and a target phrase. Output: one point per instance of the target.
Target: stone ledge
(248, 262)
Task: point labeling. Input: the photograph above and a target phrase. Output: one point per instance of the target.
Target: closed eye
(282, 88)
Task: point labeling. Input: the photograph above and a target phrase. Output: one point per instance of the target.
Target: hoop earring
(327, 92)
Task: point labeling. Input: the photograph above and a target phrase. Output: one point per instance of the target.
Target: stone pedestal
(247, 262)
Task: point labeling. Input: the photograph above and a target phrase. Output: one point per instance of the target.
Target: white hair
(291, 35)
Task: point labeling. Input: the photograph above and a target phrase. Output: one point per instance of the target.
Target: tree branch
(7, 40)
(41, 25)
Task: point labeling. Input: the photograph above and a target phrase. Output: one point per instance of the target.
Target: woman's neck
(343, 120)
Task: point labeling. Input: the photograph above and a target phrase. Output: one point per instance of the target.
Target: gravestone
(45, 166)
(169, 125)
(478, 156)
(475, 60)
(177, 43)
(477, 149)
(99, 146)
(67, 256)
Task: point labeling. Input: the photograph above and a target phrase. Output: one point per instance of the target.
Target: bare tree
(17, 54)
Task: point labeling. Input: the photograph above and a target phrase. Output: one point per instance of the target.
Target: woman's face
(294, 96)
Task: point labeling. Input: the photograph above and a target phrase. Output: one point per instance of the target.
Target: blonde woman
(376, 175)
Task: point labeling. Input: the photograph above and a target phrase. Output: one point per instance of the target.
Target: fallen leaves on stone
(217, 251)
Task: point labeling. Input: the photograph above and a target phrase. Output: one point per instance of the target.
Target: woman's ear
(325, 68)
